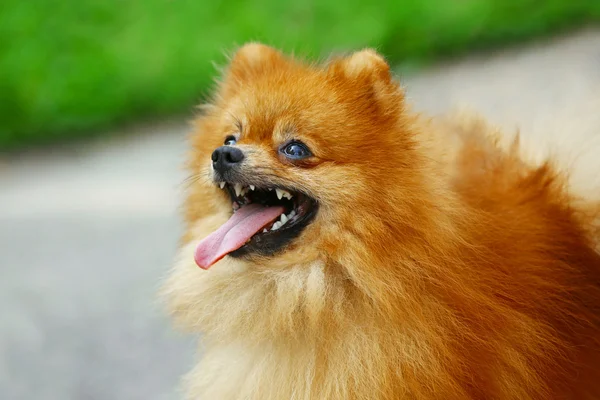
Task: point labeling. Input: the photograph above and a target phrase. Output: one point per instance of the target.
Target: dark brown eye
(296, 150)
(230, 140)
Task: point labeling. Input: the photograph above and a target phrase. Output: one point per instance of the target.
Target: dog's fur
(442, 264)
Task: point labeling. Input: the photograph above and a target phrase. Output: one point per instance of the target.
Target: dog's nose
(226, 157)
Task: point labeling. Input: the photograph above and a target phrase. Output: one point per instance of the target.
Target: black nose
(226, 157)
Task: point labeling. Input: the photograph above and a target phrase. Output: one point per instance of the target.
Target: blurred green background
(71, 68)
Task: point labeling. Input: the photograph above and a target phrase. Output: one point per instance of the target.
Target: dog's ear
(361, 65)
(367, 75)
(252, 59)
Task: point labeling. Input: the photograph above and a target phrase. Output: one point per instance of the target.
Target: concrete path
(87, 233)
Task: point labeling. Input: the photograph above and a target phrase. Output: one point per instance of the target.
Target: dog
(339, 245)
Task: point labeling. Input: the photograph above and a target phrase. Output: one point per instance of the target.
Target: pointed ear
(364, 63)
(252, 59)
(367, 73)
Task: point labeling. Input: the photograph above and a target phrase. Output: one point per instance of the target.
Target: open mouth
(263, 221)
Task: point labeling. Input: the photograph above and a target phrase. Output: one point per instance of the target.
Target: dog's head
(302, 156)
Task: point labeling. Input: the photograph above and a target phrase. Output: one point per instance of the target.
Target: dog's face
(299, 153)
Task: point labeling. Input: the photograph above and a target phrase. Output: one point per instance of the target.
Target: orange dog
(360, 251)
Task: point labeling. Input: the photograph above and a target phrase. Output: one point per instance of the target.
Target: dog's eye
(230, 140)
(296, 150)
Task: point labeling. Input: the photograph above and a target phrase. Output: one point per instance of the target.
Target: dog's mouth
(264, 220)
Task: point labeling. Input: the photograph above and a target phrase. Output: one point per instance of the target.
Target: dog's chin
(300, 210)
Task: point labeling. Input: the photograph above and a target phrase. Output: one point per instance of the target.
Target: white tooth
(287, 194)
(284, 219)
(222, 185)
(244, 191)
(238, 189)
(252, 187)
(292, 214)
(279, 193)
(276, 226)
(270, 189)
(265, 230)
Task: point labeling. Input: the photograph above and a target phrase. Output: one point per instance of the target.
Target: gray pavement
(87, 232)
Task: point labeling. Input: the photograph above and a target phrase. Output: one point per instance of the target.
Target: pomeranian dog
(352, 249)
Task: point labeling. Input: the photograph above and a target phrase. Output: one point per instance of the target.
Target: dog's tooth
(244, 191)
(284, 219)
(265, 230)
(270, 189)
(279, 193)
(238, 189)
(291, 214)
(287, 195)
(276, 226)
(252, 187)
(221, 185)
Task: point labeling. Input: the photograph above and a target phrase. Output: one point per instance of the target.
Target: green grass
(69, 68)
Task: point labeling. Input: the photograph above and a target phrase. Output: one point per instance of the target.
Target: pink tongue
(234, 233)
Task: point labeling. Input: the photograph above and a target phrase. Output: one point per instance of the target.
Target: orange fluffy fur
(442, 264)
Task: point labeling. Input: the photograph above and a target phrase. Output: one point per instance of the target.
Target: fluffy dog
(352, 249)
